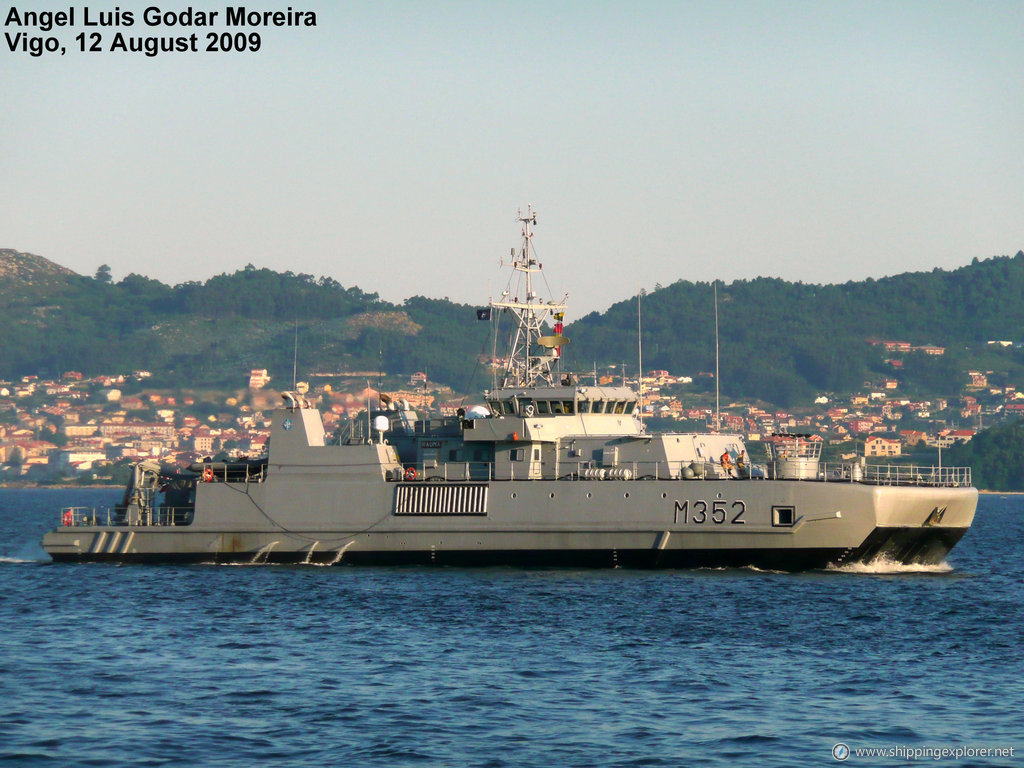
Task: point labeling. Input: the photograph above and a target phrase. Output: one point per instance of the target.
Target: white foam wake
(16, 560)
(755, 569)
(883, 565)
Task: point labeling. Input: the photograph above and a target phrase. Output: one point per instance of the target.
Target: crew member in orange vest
(726, 461)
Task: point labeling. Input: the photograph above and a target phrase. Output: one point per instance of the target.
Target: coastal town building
(73, 424)
(882, 446)
(258, 378)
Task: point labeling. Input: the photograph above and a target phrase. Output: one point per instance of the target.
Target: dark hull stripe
(925, 546)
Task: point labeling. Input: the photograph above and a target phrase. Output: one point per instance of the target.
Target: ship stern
(915, 526)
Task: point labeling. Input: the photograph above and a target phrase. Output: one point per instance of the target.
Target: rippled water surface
(107, 665)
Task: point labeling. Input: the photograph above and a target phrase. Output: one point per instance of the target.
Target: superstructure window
(584, 406)
(630, 405)
(599, 406)
(517, 454)
(556, 407)
(542, 406)
(567, 406)
(620, 406)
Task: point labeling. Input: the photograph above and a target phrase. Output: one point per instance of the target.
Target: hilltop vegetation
(995, 457)
(785, 341)
(213, 332)
(781, 342)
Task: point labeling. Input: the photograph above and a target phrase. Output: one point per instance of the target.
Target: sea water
(203, 665)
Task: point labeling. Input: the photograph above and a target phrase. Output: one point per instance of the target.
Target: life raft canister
(208, 475)
(410, 473)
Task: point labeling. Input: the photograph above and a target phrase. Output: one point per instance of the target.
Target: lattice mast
(532, 356)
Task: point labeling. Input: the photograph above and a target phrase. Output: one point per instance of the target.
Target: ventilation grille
(437, 499)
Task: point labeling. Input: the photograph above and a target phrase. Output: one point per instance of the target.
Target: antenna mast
(532, 355)
(718, 409)
(640, 356)
(295, 358)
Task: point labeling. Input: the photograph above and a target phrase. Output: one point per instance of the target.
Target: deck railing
(900, 474)
(870, 474)
(232, 473)
(120, 516)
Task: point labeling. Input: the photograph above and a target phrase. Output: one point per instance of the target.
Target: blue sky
(390, 146)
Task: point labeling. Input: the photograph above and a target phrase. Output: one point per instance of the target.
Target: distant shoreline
(55, 486)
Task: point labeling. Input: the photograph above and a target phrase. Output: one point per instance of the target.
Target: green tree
(996, 457)
(16, 456)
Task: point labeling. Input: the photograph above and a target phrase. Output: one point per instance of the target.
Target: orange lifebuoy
(69, 519)
(410, 473)
(208, 475)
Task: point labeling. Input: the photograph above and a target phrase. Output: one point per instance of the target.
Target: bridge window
(629, 406)
(599, 406)
(556, 407)
(584, 406)
(542, 406)
(620, 406)
(567, 406)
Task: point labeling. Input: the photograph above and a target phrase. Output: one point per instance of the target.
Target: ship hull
(914, 547)
(777, 525)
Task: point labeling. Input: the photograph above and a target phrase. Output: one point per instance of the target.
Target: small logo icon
(286, 424)
(840, 751)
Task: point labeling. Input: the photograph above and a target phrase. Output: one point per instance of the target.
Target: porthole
(664, 495)
(515, 495)
(625, 495)
(589, 495)
(551, 495)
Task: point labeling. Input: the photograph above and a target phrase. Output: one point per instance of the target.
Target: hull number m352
(717, 512)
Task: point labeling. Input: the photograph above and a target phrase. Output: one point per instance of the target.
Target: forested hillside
(787, 340)
(213, 332)
(780, 341)
(995, 457)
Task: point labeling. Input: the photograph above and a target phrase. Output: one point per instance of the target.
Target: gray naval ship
(552, 471)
